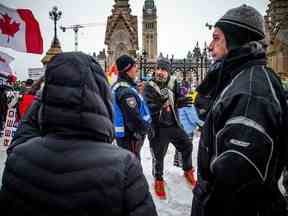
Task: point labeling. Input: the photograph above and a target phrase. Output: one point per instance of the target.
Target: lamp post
(196, 57)
(205, 61)
(145, 63)
(55, 47)
(55, 15)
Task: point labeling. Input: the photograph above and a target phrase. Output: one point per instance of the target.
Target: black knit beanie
(124, 63)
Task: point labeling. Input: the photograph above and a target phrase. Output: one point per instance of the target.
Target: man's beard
(161, 79)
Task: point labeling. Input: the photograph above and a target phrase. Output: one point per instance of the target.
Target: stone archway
(121, 35)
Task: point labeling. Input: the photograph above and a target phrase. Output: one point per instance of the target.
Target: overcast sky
(180, 24)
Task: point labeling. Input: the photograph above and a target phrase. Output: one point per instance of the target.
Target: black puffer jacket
(240, 153)
(62, 162)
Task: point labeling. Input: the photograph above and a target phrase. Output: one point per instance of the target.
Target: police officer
(132, 117)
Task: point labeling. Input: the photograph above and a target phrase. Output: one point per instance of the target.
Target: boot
(189, 175)
(160, 189)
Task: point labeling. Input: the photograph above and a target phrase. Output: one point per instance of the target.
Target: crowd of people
(21, 99)
(62, 161)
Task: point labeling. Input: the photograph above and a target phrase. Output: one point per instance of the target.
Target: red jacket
(25, 103)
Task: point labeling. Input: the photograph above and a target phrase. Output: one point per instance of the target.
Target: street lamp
(143, 72)
(197, 57)
(55, 15)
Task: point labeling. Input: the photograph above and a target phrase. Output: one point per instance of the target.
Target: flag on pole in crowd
(19, 30)
(112, 74)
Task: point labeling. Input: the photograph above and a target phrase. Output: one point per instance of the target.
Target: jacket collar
(123, 77)
(224, 70)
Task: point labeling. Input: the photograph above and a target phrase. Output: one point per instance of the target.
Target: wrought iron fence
(192, 69)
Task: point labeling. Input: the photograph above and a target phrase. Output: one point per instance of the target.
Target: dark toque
(164, 64)
(124, 63)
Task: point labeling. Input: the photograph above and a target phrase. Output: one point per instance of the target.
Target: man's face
(132, 73)
(161, 74)
(218, 46)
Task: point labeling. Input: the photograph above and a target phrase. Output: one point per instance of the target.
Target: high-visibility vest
(118, 117)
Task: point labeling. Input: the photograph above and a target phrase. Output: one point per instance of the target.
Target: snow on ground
(179, 200)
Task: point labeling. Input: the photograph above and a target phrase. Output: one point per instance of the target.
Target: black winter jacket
(61, 161)
(239, 157)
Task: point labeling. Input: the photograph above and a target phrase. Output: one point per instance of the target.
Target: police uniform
(132, 118)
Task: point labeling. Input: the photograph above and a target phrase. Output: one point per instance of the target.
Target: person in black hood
(61, 161)
(132, 117)
(163, 98)
(242, 150)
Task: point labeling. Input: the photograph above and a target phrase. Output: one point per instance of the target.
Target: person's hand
(137, 136)
(141, 86)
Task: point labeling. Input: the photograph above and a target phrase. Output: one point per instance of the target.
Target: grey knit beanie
(245, 17)
(164, 64)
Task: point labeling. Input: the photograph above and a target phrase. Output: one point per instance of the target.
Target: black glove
(137, 136)
(184, 102)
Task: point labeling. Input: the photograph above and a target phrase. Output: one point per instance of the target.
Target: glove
(137, 136)
(164, 93)
(151, 133)
(184, 102)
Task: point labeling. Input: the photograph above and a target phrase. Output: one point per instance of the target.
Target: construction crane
(76, 28)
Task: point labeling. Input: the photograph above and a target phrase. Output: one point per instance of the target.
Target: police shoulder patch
(131, 102)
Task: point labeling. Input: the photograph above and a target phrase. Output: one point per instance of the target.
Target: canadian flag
(19, 30)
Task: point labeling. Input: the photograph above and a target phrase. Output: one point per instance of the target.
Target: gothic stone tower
(121, 32)
(277, 35)
(149, 30)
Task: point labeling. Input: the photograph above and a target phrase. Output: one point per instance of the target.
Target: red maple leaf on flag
(8, 26)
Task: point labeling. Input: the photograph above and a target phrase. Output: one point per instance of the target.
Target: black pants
(131, 144)
(178, 156)
(159, 146)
